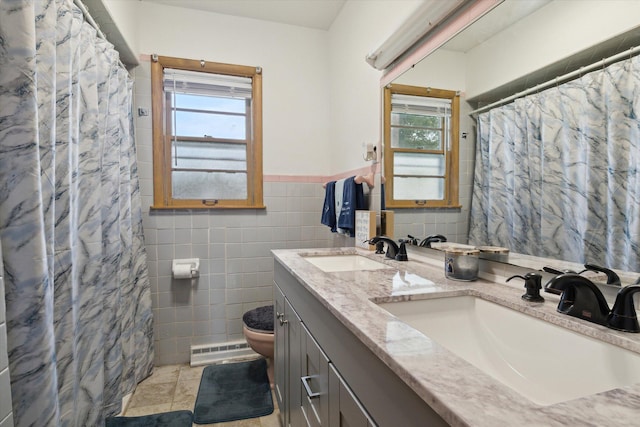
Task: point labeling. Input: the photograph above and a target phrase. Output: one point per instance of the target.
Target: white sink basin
(543, 362)
(335, 263)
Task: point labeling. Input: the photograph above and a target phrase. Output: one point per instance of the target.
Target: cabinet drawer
(314, 393)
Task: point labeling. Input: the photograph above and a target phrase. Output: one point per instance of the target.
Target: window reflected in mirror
(421, 147)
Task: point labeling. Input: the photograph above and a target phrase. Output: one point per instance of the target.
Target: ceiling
(318, 14)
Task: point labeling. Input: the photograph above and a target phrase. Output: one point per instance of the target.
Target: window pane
(416, 120)
(210, 124)
(209, 185)
(418, 164)
(417, 131)
(210, 103)
(420, 139)
(208, 155)
(418, 188)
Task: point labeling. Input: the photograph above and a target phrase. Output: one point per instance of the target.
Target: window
(420, 147)
(207, 134)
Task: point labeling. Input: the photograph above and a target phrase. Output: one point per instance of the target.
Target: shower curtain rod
(560, 79)
(93, 23)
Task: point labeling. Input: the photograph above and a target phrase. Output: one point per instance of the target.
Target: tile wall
(6, 414)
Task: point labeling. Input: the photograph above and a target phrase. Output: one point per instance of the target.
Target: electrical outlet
(143, 112)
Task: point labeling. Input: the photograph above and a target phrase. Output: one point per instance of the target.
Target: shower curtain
(77, 290)
(556, 172)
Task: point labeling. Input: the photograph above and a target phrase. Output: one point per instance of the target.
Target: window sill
(182, 208)
(425, 206)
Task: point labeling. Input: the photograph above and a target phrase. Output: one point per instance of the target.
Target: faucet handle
(533, 284)
(402, 253)
(612, 277)
(623, 314)
(554, 270)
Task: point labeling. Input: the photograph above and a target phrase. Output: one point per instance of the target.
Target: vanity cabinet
(326, 376)
(308, 388)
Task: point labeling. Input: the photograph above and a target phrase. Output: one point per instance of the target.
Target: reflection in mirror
(536, 42)
(421, 146)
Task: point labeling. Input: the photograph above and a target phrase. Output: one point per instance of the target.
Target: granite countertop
(459, 392)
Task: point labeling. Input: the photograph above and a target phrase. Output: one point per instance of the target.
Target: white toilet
(258, 331)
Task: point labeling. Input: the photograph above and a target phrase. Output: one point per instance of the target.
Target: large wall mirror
(523, 44)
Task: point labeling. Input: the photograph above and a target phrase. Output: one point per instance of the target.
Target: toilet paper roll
(182, 271)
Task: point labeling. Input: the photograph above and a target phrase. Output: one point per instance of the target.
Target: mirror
(516, 46)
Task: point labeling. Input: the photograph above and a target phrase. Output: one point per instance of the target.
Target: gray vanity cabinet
(308, 388)
(287, 359)
(326, 376)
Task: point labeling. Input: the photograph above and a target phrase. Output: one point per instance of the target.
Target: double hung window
(207, 129)
(421, 147)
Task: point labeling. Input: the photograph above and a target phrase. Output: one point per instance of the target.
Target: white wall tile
(2, 304)
(7, 422)
(5, 394)
(4, 360)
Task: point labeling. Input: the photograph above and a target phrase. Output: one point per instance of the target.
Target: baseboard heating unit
(213, 353)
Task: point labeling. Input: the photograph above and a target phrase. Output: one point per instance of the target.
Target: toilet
(258, 330)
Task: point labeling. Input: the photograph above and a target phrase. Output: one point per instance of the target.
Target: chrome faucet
(399, 253)
(581, 298)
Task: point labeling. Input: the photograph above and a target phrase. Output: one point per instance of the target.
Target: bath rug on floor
(166, 419)
(233, 391)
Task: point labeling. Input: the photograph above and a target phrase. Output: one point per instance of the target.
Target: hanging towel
(338, 195)
(329, 207)
(352, 200)
(341, 200)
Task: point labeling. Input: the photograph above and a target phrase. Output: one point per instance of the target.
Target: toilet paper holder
(187, 268)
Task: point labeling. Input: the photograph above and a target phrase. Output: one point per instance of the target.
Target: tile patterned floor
(174, 387)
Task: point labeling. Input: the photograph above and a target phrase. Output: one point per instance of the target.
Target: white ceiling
(318, 14)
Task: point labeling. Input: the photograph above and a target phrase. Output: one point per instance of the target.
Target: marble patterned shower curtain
(78, 300)
(556, 172)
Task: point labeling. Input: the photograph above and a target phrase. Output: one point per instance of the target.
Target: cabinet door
(281, 369)
(344, 408)
(294, 386)
(314, 395)
(288, 360)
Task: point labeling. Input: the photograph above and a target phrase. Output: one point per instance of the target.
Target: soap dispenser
(533, 284)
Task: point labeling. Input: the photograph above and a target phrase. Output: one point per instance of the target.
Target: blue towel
(352, 200)
(329, 209)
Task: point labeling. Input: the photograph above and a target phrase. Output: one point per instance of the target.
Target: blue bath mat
(166, 419)
(234, 391)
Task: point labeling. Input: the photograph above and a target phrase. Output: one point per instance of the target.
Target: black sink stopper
(533, 284)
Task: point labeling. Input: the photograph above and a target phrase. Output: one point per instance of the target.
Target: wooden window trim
(162, 143)
(452, 174)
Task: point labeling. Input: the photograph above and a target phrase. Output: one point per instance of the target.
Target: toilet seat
(259, 320)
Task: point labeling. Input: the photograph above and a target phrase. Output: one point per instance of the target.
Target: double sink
(543, 362)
